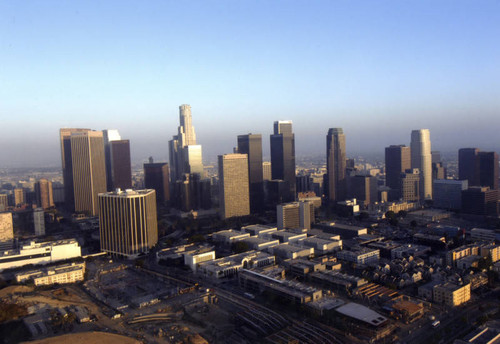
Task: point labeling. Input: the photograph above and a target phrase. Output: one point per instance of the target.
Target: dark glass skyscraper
(397, 161)
(156, 177)
(118, 166)
(283, 157)
(252, 146)
(336, 165)
(479, 168)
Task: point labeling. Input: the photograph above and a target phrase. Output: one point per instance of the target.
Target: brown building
(121, 170)
(89, 170)
(44, 194)
(233, 185)
(480, 201)
(363, 188)
(67, 164)
(410, 185)
(156, 177)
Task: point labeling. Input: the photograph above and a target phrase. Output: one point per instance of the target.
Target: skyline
(378, 71)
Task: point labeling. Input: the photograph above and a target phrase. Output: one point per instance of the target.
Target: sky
(377, 69)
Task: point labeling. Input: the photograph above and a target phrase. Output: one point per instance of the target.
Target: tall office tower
(448, 193)
(410, 185)
(187, 137)
(283, 156)
(438, 171)
(181, 161)
(266, 170)
(488, 169)
(39, 221)
(397, 161)
(156, 177)
(421, 158)
(89, 170)
(304, 183)
(478, 168)
(4, 203)
(121, 167)
(234, 197)
(468, 165)
(118, 165)
(295, 215)
(127, 222)
(480, 200)
(44, 194)
(336, 165)
(19, 196)
(252, 146)
(67, 164)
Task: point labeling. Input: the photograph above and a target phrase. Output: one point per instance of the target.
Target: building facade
(44, 194)
(421, 158)
(283, 157)
(234, 199)
(251, 145)
(336, 165)
(128, 222)
(397, 161)
(89, 170)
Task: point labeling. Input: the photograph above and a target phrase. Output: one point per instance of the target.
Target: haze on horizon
(376, 69)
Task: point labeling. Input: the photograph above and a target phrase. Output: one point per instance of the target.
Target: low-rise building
(481, 234)
(336, 280)
(229, 236)
(362, 256)
(491, 250)
(409, 250)
(345, 231)
(460, 252)
(40, 253)
(62, 274)
(229, 266)
(259, 244)
(286, 236)
(321, 246)
(451, 294)
(302, 267)
(193, 258)
(258, 229)
(288, 251)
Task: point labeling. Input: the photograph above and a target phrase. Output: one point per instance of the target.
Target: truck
(436, 323)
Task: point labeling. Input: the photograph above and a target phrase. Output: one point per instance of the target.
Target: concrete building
(410, 185)
(266, 170)
(336, 165)
(229, 236)
(234, 197)
(363, 188)
(285, 236)
(479, 168)
(67, 163)
(451, 295)
(231, 265)
(421, 158)
(480, 234)
(89, 170)
(127, 222)
(361, 256)
(461, 252)
(447, 193)
(295, 215)
(6, 227)
(40, 253)
(251, 145)
(61, 274)
(39, 221)
(258, 229)
(322, 246)
(19, 197)
(291, 251)
(4, 203)
(283, 157)
(259, 244)
(397, 161)
(345, 231)
(44, 194)
(193, 258)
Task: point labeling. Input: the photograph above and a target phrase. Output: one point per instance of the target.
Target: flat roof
(362, 313)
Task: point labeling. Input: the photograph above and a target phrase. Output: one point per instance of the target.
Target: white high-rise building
(421, 158)
(187, 137)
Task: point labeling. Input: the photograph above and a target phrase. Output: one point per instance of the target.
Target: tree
(390, 215)
(402, 213)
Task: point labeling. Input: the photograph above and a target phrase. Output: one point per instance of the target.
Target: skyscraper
(89, 170)
(397, 161)
(478, 168)
(283, 156)
(44, 194)
(182, 158)
(252, 146)
(118, 165)
(336, 165)
(127, 222)
(67, 164)
(233, 185)
(156, 177)
(421, 158)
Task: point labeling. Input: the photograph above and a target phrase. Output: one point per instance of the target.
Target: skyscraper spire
(187, 136)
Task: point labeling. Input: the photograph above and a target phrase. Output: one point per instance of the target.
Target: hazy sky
(378, 69)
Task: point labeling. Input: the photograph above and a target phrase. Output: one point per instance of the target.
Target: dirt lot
(87, 338)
